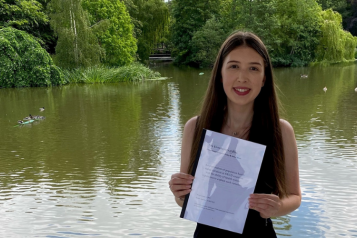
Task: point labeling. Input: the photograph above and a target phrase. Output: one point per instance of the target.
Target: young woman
(241, 101)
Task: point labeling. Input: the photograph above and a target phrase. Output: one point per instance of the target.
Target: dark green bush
(24, 63)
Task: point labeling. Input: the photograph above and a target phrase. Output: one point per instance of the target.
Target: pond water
(99, 164)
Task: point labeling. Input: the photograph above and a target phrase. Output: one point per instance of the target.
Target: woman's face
(242, 76)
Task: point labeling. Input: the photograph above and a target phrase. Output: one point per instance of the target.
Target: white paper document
(225, 176)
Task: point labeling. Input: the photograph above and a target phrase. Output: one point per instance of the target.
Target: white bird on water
(325, 89)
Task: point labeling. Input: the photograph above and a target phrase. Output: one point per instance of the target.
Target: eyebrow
(235, 61)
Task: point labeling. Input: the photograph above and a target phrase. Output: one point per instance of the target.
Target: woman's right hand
(180, 184)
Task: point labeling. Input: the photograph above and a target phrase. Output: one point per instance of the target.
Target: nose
(242, 76)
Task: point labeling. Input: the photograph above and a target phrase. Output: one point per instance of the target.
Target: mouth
(241, 91)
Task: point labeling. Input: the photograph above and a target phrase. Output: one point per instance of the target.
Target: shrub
(23, 63)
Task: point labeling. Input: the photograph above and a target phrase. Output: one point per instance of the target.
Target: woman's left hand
(267, 205)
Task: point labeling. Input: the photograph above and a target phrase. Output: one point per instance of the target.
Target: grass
(104, 74)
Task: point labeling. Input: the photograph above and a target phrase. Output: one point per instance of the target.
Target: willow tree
(117, 37)
(336, 45)
(77, 46)
(151, 19)
(333, 4)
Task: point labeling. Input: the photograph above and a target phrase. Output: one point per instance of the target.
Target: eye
(254, 68)
(234, 66)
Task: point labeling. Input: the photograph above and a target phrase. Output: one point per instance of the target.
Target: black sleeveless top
(255, 225)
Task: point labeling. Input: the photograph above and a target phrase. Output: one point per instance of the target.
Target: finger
(180, 181)
(266, 201)
(263, 215)
(182, 193)
(182, 176)
(261, 195)
(265, 210)
(260, 207)
(180, 187)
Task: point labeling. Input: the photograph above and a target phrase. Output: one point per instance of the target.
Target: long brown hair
(265, 127)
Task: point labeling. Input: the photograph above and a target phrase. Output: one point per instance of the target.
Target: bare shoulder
(289, 141)
(291, 158)
(287, 131)
(286, 126)
(288, 136)
(189, 130)
(191, 124)
(187, 139)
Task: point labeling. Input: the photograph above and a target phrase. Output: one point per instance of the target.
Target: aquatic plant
(106, 74)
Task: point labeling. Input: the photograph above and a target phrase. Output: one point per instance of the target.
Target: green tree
(259, 17)
(206, 42)
(290, 29)
(348, 11)
(335, 44)
(298, 33)
(151, 19)
(117, 37)
(24, 63)
(188, 17)
(334, 4)
(29, 16)
(77, 46)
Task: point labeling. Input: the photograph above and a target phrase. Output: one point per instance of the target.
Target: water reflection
(98, 165)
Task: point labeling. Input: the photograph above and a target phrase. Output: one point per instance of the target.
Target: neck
(237, 117)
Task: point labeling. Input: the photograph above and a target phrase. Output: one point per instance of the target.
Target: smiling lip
(241, 91)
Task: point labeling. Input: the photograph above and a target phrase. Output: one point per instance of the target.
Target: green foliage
(77, 46)
(333, 4)
(116, 34)
(258, 17)
(347, 9)
(350, 43)
(290, 29)
(188, 17)
(206, 42)
(105, 74)
(335, 45)
(24, 63)
(298, 34)
(151, 24)
(29, 16)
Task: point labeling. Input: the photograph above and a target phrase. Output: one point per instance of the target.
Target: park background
(99, 164)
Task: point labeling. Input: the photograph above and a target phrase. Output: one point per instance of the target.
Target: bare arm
(180, 183)
(293, 200)
(270, 205)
